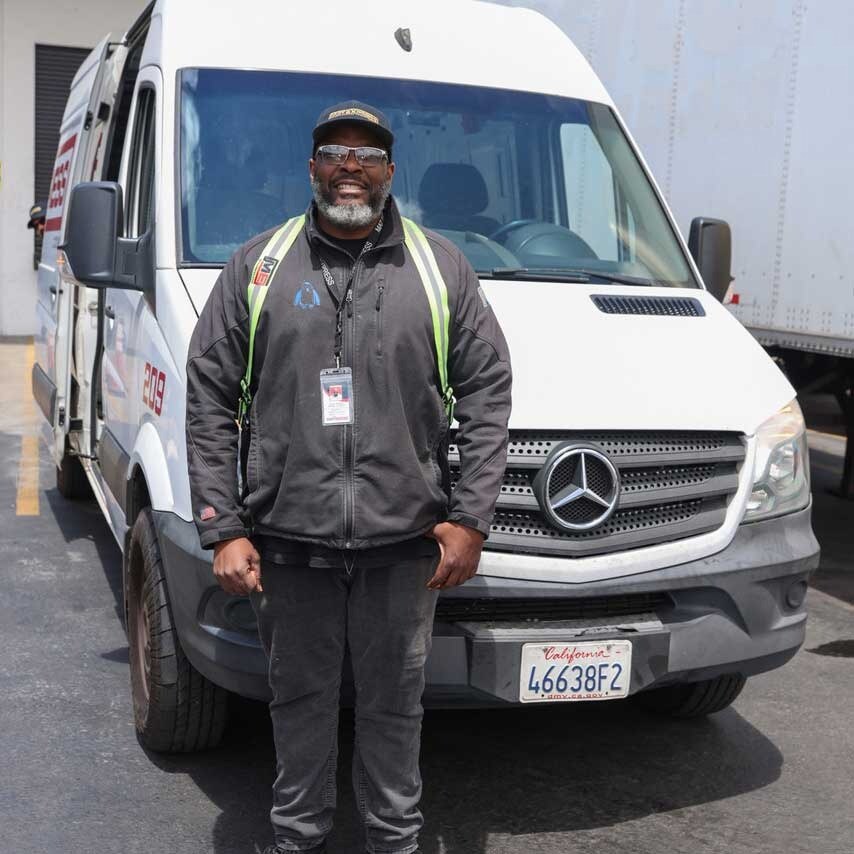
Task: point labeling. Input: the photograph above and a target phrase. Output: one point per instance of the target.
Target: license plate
(575, 671)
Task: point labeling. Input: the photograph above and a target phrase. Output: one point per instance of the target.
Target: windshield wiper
(621, 280)
(534, 273)
(563, 274)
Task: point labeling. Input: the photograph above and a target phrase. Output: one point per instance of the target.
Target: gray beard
(350, 217)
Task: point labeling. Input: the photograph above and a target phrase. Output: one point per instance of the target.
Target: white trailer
(744, 109)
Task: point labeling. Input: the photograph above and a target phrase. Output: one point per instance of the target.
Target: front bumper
(735, 611)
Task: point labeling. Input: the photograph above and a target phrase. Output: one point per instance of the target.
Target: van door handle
(108, 310)
(53, 289)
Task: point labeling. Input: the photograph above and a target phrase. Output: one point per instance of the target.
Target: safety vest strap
(437, 296)
(428, 270)
(259, 284)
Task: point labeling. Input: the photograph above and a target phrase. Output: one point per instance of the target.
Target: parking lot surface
(770, 774)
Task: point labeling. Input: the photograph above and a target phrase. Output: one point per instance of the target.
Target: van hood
(576, 367)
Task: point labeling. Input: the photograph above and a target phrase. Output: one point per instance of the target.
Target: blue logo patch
(307, 296)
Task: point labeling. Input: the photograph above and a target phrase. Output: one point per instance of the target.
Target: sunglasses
(335, 155)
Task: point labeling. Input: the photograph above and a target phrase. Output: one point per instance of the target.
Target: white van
(652, 536)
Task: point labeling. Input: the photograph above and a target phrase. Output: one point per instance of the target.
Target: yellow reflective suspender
(259, 282)
(428, 270)
(437, 295)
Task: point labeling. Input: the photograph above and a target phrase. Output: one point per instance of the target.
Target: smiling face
(350, 196)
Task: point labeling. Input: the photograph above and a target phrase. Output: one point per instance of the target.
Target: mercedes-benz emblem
(578, 487)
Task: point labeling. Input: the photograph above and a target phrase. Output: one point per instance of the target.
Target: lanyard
(347, 299)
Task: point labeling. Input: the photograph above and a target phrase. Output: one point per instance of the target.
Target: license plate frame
(586, 670)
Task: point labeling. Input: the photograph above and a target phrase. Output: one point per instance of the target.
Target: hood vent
(660, 306)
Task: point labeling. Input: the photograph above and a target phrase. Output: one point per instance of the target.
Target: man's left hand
(460, 548)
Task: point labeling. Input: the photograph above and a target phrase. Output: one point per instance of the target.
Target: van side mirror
(96, 253)
(710, 245)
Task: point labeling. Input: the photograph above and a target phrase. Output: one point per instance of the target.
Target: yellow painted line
(27, 501)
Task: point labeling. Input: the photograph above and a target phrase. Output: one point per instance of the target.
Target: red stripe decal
(69, 143)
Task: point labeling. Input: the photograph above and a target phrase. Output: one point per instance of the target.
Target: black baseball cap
(37, 213)
(353, 112)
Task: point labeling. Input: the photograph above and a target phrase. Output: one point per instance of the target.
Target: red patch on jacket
(264, 271)
(207, 513)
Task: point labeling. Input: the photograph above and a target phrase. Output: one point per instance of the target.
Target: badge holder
(336, 394)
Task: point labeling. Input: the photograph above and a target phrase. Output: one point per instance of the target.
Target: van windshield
(526, 184)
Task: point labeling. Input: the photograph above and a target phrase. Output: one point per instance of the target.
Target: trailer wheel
(693, 699)
(71, 480)
(176, 709)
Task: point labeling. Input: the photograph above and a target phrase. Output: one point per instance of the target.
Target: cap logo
(353, 111)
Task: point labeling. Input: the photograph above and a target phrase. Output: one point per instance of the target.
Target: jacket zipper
(380, 291)
(349, 434)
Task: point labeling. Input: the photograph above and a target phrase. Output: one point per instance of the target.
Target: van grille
(546, 608)
(672, 485)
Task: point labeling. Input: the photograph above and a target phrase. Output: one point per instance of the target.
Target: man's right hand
(237, 566)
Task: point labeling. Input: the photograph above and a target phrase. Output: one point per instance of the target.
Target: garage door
(55, 69)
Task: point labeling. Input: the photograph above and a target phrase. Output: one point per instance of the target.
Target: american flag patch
(264, 270)
(207, 513)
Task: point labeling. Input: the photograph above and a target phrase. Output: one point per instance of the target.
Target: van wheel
(693, 699)
(71, 480)
(176, 709)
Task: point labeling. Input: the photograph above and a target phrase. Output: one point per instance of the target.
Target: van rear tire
(693, 699)
(71, 480)
(176, 709)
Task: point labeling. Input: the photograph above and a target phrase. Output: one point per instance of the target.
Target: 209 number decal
(153, 387)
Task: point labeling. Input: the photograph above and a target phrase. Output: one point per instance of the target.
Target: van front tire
(176, 709)
(693, 699)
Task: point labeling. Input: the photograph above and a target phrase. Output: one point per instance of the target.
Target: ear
(312, 165)
(389, 171)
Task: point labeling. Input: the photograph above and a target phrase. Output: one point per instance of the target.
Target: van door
(125, 353)
(51, 381)
(109, 121)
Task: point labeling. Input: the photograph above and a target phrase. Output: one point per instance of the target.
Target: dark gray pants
(384, 614)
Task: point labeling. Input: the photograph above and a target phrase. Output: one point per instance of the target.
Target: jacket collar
(392, 233)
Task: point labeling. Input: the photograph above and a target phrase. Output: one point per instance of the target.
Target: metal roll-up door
(55, 69)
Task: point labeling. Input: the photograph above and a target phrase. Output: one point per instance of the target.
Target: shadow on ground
(514, 771)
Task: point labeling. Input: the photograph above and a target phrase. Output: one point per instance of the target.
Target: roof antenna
(404, 38)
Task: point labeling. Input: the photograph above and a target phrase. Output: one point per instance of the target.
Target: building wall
(23, 24)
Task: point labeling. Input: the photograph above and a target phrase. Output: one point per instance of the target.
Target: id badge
(336, 395)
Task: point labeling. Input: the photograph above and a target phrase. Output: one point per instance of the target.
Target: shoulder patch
(264, 270)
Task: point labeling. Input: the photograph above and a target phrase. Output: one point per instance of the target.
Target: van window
(515, 179)
(120, 114)
(139, 203)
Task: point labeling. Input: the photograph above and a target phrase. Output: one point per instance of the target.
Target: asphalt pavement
(770, 774)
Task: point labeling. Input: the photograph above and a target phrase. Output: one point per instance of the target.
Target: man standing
(344, 528)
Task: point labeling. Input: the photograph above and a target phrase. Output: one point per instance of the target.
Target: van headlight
(781, 480)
